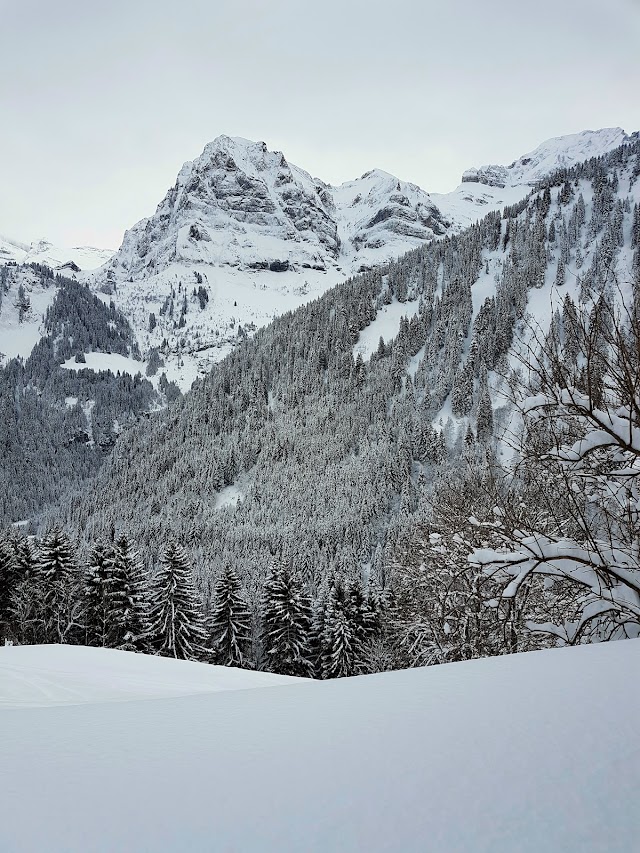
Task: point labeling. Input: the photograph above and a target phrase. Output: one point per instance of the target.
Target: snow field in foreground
(41, 676)
(533, 752)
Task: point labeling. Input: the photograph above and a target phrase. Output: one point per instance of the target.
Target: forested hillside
(322, 488)
(57, 424)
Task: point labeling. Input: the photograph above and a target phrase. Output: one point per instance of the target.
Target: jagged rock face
(241, 205)
(490, 176)
(378, 207)
(237, 204)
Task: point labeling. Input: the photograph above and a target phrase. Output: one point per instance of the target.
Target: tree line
(49, 595)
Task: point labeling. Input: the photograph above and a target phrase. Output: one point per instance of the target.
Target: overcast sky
(102, 102)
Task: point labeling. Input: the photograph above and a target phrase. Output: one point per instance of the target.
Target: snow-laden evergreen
(286, 623)
(230, 621)
(176, 626)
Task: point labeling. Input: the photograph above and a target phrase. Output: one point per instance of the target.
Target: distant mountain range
(55, 257)
(244, 236)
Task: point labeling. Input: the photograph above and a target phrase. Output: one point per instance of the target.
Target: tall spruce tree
(484, 420)
(176, 623)
(8, 582)
(129, 599)
(97, 594)
(230, 621)
(286, 623)
(340, 639)
(58, 578)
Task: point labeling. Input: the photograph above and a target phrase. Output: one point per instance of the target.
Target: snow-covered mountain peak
(257, 235)
(237, 204)
(561, 152)
(374, 184)
(241, 205)
(380, 216)
(234, 153)
(492, 187)
(44, 252)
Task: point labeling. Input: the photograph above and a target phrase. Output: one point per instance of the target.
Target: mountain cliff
(244, 236)
(240, 205)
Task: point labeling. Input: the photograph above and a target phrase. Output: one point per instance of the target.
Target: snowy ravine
(530, 752)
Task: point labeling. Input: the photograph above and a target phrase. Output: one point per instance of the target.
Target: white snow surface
(530, 752)
(47, 676)
(386, 325)
(44, 252)
(111, 361)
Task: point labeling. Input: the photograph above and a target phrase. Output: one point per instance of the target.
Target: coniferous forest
(319, 427)
(469, 489)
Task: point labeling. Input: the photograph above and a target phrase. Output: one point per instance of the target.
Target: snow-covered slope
(492, 187)
(43, 252)
(527, 752)
(561, 152)
(380, 217)
(24, 300)
(44, 676)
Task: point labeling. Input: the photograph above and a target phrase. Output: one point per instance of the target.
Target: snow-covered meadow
(530, 752)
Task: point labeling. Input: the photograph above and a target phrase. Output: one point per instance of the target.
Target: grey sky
(102, 102)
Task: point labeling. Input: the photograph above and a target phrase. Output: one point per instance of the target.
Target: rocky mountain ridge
(244, 236)
(240, 205)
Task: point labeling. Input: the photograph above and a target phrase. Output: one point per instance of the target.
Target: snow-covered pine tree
(176, 623)
(339, 639)
(484, 420)
(230, 621)
(286, 623)
(362, 612)
(8, 581)
(461, 395)
(24, 608)
(339, 659)
(24, 556)
(128, 599)
(57, 575)
(97, 595)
